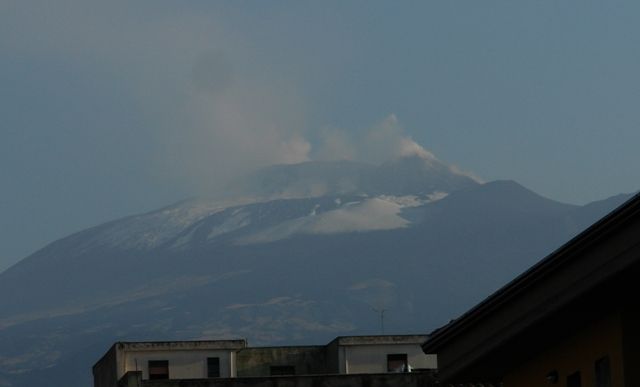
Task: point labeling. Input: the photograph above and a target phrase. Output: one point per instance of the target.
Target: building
(344, 355)
(168, 359)
(569, 321)
(131, 363)
(378, 354)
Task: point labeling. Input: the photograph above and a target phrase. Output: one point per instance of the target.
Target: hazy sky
(113, 108)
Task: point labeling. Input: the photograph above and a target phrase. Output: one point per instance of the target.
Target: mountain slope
(283, 271)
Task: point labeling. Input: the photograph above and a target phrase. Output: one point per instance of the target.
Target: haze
(115, 108)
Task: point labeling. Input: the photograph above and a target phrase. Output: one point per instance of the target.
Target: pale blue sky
(113, 108)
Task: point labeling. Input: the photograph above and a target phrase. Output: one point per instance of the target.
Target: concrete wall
(333, 358)
(576, 353)
(307, 360)
(183, 364)
(105, 372)
(380, 380)
(360, 359)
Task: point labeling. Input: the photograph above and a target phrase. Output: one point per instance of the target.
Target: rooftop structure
(159, 360)
(131, 363)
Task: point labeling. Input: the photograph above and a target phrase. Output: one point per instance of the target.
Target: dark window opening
(603, 372)
(158, 369)
(574, 380)
(283, 370)
(397, 362)
(213, 367)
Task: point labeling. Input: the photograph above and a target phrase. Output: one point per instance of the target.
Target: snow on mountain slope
(183, 223)
(153, 229)
(409, 181)
(369, 214)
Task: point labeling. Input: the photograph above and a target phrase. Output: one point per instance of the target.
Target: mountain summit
(409, 175)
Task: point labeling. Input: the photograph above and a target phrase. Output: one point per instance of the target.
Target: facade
(136, 362)
(379, 354)
(168, 360)
(570, 321)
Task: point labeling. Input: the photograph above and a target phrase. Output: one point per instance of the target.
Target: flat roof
(380, 339)
(181, 345)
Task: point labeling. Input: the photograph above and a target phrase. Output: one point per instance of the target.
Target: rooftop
(181, 345)
(380, 339)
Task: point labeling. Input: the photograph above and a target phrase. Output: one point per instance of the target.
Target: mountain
(305, 253)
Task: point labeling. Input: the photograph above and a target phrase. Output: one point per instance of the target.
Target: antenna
(381, 311)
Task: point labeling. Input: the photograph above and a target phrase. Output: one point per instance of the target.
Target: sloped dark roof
(589, 259)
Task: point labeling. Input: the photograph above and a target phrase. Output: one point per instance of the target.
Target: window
(397, 362)
(158, 369)
(283, 370)
(603, 372)
(213, 367)
(574, 380)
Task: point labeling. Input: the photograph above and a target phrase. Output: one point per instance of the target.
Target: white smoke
(245, 126)
(212, 111)
(384, 141)
(334, 144)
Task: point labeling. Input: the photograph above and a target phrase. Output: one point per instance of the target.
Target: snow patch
(315, 208)
(373, 214)
(436, 195)
(151, 230)
(369, 215)
(238, 219)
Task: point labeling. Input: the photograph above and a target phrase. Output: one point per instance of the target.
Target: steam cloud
(212, 110)
(384, 141)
